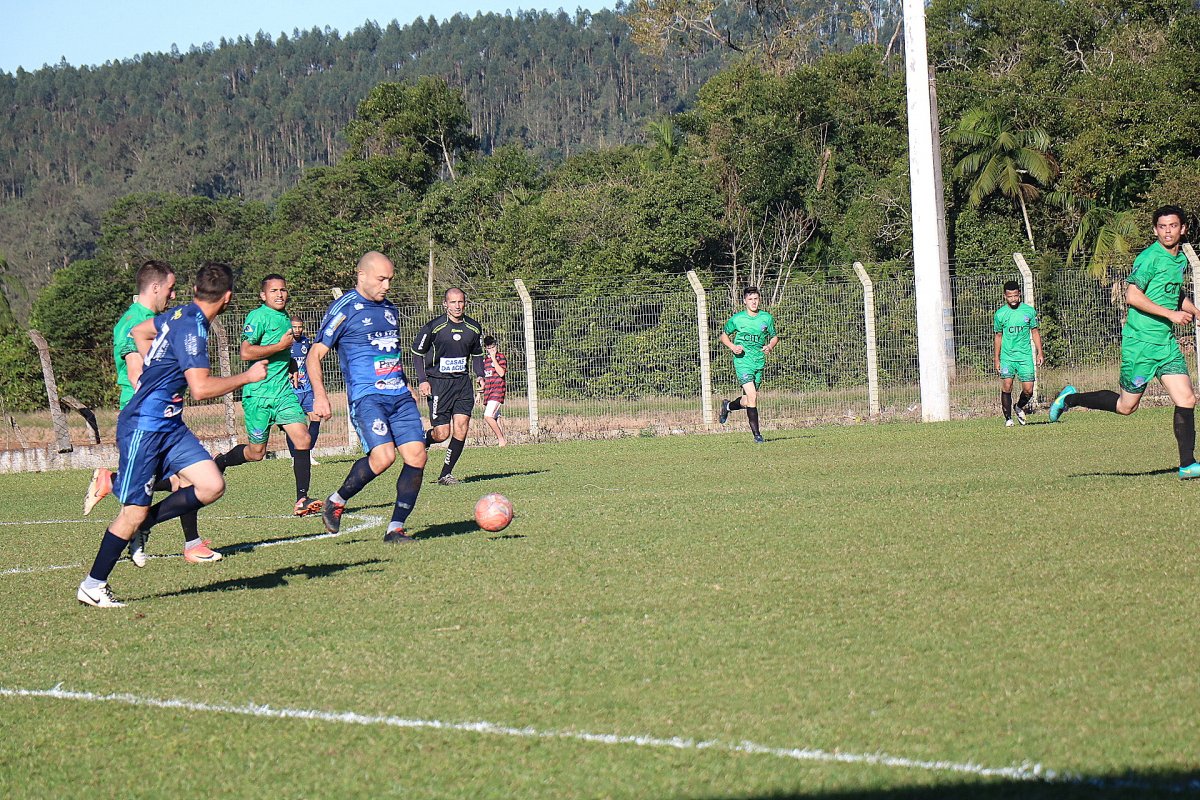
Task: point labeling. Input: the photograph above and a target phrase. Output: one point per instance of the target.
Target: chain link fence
(620, 365)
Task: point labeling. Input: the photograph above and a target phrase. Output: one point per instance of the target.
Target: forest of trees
(763, 143)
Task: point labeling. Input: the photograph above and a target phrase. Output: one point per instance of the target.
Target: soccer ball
(493, 512)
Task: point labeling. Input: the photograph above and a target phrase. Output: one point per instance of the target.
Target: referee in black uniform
(445, 349)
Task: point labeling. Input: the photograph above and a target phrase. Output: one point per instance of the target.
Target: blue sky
(34, 33)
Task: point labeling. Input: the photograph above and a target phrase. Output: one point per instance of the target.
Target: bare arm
(143, 336)
(771, 345)
(1190, 307)
(1036, 336)
(1137, 298)
(996, 348)
(133, 366)
(316, 379)
(736, 349)
(253, 352)
(496, 368)
(203, 385)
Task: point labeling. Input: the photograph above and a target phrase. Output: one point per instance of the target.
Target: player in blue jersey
(362, 326)
(151, 436)
(301, 385)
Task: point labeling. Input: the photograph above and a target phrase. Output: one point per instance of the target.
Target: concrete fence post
(872, 352)
(1031, 298)
(1190, 252)
(62, 433)
(706, 404)
(225, 367)
(530, 356)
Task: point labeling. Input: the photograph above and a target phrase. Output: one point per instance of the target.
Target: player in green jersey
(750, 335)
(1148, 346)
(1016, 325)
(267, 334)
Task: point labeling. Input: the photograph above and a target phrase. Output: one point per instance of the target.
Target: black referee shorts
(450, 396)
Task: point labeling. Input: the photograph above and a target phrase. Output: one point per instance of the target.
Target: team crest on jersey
(390, 317)
(191, 344)
(457, 336)
(378, 427)
(149, 488)
(247, 329)
(1139, 381)
(386, 341)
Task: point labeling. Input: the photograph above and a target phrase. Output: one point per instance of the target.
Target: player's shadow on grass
(495, 476)
(1146, 474)
(271, 580)
(1109, 787)
(241, 548)
(447, 529)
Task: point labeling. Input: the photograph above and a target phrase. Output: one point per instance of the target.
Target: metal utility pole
(927, 259)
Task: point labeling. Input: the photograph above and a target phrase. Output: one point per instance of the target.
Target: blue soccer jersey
(300, 349)
(367, 341)
(181, 344)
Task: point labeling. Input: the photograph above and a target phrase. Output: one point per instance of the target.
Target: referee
(443, 349)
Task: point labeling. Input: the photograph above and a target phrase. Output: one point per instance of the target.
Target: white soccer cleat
(1008, 423)
(1020, 415)
(100, 597)
(137, 548)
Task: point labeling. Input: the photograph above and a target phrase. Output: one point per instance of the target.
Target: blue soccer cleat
(1192, 470)
(1060, 403)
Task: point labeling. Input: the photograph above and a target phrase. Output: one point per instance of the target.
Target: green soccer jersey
(266, 326)
(752, 332)
(1160, 276)
(1014, 325)
(123, 345)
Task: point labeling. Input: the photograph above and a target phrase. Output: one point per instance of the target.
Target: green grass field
(874, 611)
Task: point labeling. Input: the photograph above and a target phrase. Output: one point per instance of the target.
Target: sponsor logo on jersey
(378, 427)
(178, 313)
(446, 364)
(191, 344)
(386, 366)
(149, 488)
(368, 322)
(358, 306)
(387, 341)
(390, 317)
(390, 383)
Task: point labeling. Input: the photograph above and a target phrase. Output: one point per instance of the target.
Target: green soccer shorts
(748, 372)
(262, 412)
(1020, 368)
(1142, 362)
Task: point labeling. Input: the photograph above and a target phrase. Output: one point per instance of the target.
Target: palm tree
(1013, 162)
(1109, 235)
(664, 140)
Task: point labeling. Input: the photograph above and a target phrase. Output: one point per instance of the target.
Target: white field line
(367, 521)
(1024, 772)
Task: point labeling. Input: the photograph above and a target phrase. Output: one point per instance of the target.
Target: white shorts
(492, 409)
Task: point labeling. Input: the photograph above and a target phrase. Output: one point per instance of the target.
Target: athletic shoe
(332, 515)
(1060, 403)
(1190, 471)
(200, 554)
(100, 597)
(449, 480)
(313, 462)
(724, 412)
(1008, 423)
(137, 548)
(398, 537)
(98, 488)
(758, 438)
(1020, 412)
(305, 507)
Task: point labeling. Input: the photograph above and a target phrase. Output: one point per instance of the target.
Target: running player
(156, 290)
(362, 326)
(151, 436)
(268, 334)
(445, 348)
(1149, 350)
(301, 344)
(750, 335)
(1016, 324)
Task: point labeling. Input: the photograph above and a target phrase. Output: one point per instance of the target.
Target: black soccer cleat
(724, 412)
(398, 537)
